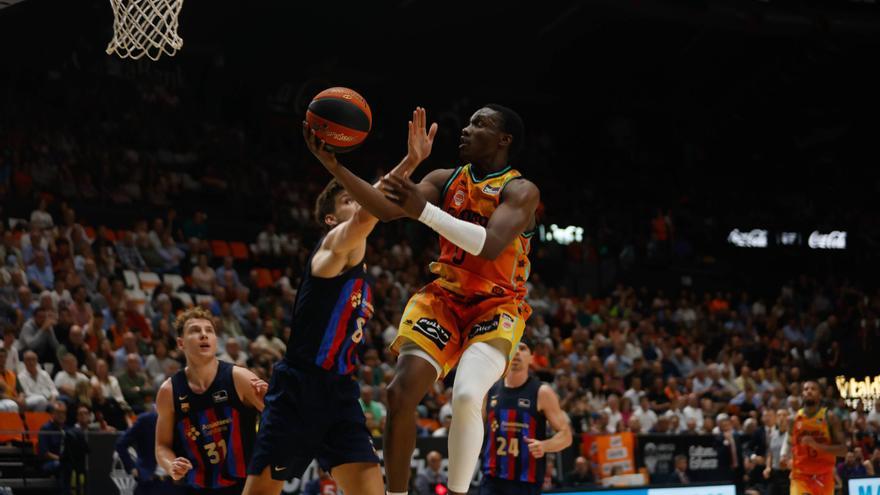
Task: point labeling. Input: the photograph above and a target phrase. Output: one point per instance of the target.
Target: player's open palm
(179, 467)
(536, 447)
(421, 139)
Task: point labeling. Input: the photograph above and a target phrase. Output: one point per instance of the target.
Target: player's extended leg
(262, 484)
(359, 478)
(412, 380)
(482, 364)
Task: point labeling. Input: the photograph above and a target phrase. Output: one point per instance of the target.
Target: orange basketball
(341, 117)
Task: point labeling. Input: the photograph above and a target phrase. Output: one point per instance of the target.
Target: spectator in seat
(242, 305)
(203, 276)
(107, 396)
(431, 475)
(128, 254)
(136, 388)
(12, 346)
(269, 342)
(222, 272)
(268, 242)
(40, 273)
(581, 474)
(50, 446)
(129, 346)
(81, 310)
(10, 390)
(90, 277)
(233, 353)
(38, 335)
(69, 378)
(157, 362)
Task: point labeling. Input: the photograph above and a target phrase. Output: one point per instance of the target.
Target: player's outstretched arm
(419, 144)
(512, 217)
(176, 467)
(548, 404)
(250, 388)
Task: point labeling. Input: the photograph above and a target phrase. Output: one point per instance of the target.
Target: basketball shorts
(310, 414)
(444, 323)
(818, 484)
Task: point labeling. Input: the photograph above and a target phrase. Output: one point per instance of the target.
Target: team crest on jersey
(184, 407)
(193, 433)
(493, 401)
(220, 396)
(494, 425)
(524, 403)
(490, 189)
(458, 198)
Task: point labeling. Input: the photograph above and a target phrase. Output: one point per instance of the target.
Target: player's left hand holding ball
(536, 447)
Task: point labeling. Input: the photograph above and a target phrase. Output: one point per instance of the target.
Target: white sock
(480, 367)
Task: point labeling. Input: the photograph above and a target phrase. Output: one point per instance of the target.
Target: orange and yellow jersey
(807, 461)
(474, 200)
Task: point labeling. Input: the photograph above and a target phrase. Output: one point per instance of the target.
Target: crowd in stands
(635, 359)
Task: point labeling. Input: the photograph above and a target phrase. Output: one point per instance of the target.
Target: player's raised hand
(536, 447)
(420, 139)
(403, 192)
(317, 147)
(179, 467)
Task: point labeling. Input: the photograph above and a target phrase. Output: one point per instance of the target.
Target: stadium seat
(131, 280)
(239, 250)
(34, 420)
(11, 427)
(109, 235)
(185, 298)
(220, 249)
(139, 297)
(264, 278)
(176, 281)
(149, 281)
(276, 274)
(90, 232)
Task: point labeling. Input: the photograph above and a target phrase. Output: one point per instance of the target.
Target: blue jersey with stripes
(512, 416)
(215, 430)
(330, 319)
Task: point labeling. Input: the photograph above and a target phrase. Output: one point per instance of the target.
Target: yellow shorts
(819, 484)
(444, 323)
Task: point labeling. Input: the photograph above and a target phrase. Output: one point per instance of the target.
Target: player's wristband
(465, 235)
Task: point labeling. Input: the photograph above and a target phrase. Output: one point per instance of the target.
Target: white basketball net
(145, 27)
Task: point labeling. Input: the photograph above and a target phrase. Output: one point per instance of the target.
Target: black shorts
(498, 486)
(310, 414)
(229, 490)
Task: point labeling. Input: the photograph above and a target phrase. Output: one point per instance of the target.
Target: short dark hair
(326, 202)
(512, 124)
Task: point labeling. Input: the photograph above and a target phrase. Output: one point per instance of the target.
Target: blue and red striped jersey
(215, 430)
(511, 416)
(330, 319)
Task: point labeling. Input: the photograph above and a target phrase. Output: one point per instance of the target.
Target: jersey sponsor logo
(507, 321)
(484, 327)
(473, 217)
(458, 198)
(490, 189)
(433, 330)
(524, 403)
(220, 396)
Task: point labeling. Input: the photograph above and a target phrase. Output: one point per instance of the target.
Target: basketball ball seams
(340, 117)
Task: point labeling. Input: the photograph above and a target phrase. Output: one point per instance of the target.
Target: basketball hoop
(145, 27)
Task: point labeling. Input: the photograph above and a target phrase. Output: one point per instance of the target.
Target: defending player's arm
(250, 388)
(419, 145)
(837, 446)
(548, 404)
(176, 467)
(514, 214)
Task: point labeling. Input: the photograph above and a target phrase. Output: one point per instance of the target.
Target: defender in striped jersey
(518, 410)
(312, 409)
(207, 413)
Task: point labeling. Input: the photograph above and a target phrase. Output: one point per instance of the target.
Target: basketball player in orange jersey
(474, 313)
(816, 441)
